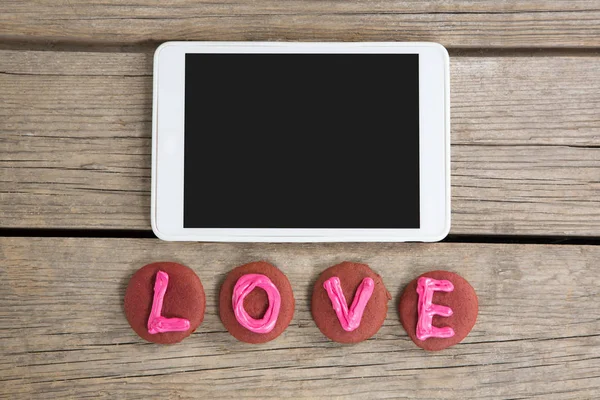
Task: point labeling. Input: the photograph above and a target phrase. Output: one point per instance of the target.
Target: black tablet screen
(301, 141)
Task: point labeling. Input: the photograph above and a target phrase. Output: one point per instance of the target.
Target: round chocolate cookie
(256, 302)
(183, 299)
(351, 276)
(462, 300)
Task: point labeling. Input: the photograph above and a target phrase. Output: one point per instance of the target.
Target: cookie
(164, 302)
(349, 302)
(256, 302)
(448, 310)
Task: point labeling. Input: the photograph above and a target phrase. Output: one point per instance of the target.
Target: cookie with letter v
(438, 310)
(349, 302)
(164, 302)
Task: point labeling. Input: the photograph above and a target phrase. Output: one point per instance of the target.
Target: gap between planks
(74, 46)
(146, 234)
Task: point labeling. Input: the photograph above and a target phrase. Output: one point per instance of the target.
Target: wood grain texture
(482, 23)
(76, 142)
(63, 332)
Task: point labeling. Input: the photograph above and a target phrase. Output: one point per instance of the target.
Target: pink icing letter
(349, 319)
(425, 288)
(243, 287)
(156, 322)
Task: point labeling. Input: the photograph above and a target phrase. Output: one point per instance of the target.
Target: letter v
(349, 318)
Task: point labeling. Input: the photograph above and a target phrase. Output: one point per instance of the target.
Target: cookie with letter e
(349, 302)
(256, 302)
(438, 310)
(164, 302)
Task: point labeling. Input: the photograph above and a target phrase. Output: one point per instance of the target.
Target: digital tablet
(301, 142)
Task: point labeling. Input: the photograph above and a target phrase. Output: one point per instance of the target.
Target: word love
(256, 304)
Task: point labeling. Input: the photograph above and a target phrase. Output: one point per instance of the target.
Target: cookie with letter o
(349, 302)
(256, 302)
(438, 309)
(164, 302)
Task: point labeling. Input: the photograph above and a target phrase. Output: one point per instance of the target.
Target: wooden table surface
(75, 119)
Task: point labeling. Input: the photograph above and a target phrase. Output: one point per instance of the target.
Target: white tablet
(301, 142)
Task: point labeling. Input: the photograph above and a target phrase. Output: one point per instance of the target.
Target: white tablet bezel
(168, 145)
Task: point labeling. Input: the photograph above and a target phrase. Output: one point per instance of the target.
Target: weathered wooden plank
(63, 332)
(76, 142)
(483, 23)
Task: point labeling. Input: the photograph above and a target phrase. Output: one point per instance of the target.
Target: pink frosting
(349, 318)
(426, 287)
(243, 287)
(156, 322)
